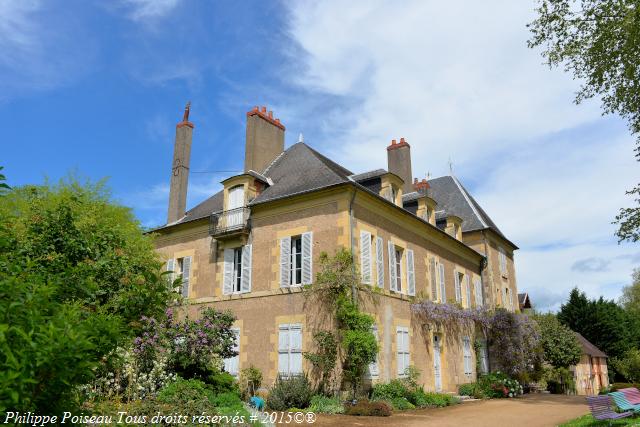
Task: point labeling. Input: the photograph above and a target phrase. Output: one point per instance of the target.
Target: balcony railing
(229, 222)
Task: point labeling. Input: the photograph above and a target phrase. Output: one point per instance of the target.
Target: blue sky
(97, 87)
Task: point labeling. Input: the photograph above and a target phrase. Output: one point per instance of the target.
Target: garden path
(534, 410)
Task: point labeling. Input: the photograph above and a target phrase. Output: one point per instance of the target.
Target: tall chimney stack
(180, 168)
(399, 163)
(265, 139)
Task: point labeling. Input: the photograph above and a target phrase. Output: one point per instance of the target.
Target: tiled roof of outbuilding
(588, 348)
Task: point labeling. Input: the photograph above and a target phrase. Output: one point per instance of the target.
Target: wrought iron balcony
(231, 222)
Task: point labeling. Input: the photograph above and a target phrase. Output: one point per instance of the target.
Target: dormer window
(394, 194)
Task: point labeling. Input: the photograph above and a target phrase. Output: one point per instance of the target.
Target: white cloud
(457, 80)
(149, 9)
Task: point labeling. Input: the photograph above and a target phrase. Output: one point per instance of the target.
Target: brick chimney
(180, 168)
(265, 139)
(399, 163)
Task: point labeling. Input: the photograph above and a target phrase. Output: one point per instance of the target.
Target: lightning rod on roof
(300, 137)
(450, 166)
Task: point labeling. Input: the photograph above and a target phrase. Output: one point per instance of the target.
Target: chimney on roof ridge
(264, 139)
(399, 162)
(180, 168)
(421, 186)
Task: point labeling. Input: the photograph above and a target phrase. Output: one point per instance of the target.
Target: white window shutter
(380, 261)
(186, 275)
(307, 258)
(365, 257)
(434, 284)
(283, 338)
(171, 268)
(246, 269)
(400, 356)
(393, 281)
(467, 284)
(227, 279)
(295, 337)
(456, 277)
(285, 262)
(411, 275)
(443, 286)
(477, 284)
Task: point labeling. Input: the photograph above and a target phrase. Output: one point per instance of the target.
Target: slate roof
(524, 301)
(588, 348)
(454, 199)
(301, 169)
(368, 175)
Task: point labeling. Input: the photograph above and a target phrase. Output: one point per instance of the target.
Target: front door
(236, 201)
(437, 371)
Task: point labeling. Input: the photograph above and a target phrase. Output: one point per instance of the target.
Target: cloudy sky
(96, 88)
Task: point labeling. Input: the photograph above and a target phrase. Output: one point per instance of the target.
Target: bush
(369, 409)
(497, 384)
(402, 403)
(439, 400)
(294, 392)
(471, 389)
(326, 405)
(184, 397)
(394, 389)
(250, 381)
(222, 382)
(619, 386)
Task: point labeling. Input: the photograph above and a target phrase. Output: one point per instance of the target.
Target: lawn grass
(589, 421)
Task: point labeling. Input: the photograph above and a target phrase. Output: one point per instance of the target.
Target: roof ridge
(467, 197)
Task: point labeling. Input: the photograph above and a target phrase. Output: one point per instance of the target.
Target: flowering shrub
(450, 316)
(514, 343)
(194, 348)
(497, 384)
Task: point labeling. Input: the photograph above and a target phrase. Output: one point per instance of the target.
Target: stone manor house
(252, 246)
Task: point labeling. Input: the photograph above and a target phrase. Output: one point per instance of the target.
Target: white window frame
(484, 357)
(289, 350)
(459, 277)
(366, 258)
(236, 277)
(403, 352)
(398, 268)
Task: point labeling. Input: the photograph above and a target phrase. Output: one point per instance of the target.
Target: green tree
(630, 299)
(628, 365)
(76, 275)
(604, 323)
(559, 343)
(598, 41)
(324, 359)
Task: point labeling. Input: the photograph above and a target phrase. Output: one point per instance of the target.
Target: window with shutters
(402, 346)
(398, 268)
(477, 285)
(289, 349)
(373, 366)
(466, 350)
(459, 277)
(503, 261)
(296, 260)
(181, 268)
(232, 364)
(237, 270)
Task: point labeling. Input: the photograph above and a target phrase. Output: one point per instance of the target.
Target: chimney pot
(271, 114)
(402, 141)
(264, 109)
(393, 142)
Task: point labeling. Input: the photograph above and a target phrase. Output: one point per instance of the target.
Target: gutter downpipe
(353, 256)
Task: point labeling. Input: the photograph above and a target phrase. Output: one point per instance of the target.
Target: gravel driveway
(536, 410)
